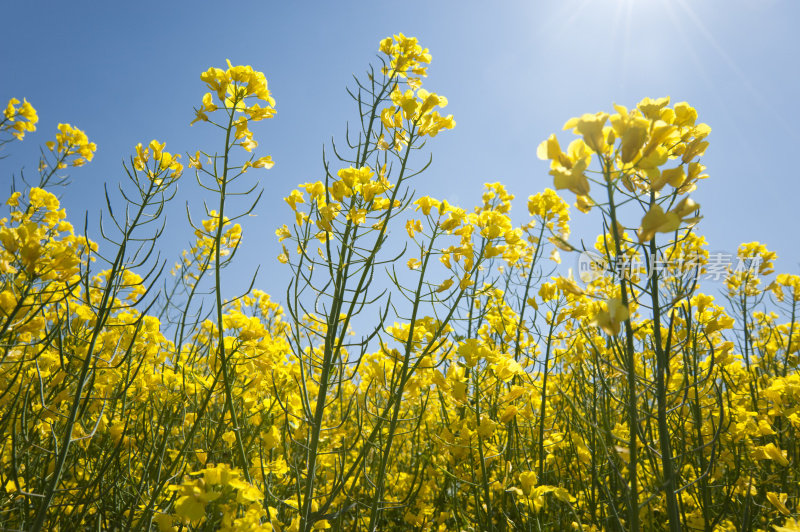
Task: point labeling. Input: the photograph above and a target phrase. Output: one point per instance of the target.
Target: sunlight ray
(757, 95)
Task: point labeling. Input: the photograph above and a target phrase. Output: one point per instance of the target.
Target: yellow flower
(567, 285)
(695, 148)
(446, 284)
(633, 139)
(528, 481)
(549, 149)
(429, 100)
(486, 427)
(591, 127)
(283, 233)
(190, 508)
(164, 522)
(573, 179)
(295, 197)
(791, 525)
(357, 216)
(674, 176)
(506, 368)
(283, 258)
(328, 213)
(610, 319)
(651, 109)
(208, 106)
(412, 227)
(778, 500)
(508, 413)
(770, 452)
(264, 162)
(656, 221)
(426, 203)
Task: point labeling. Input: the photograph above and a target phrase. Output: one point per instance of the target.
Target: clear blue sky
(514, 72)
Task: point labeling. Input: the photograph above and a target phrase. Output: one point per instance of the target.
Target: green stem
(662, 365)
(226, 377)
(633, 416)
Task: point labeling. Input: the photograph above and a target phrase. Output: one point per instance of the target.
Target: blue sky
(513, 72)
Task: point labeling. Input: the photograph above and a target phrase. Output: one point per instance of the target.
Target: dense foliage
(428, 369)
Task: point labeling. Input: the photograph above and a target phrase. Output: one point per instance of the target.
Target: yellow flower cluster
(218, 497)
(785, 282)
(414, 110)
(482, 235)
(165, 167)
(418, 108)
(239, 89)
(633, 150)
(200, 257)
(37, 241)
(357, 192)
(406, 56)
(19, 119)
(754, 260)
(71, 141)
(552, 210)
